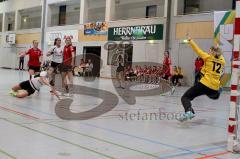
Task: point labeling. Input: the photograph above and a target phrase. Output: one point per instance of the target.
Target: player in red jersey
(167, 65)
(68, 63)
(35, 58)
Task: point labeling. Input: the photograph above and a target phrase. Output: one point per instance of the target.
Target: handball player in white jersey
(27, 88)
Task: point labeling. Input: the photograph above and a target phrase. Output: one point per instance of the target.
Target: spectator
(82, 67)
(133, 75)
(139, 73)
(167, 65)
(180, 76)
(177, 75)
(136, 71)
(89, 67)
(120, 71)
(129, 74)
(21, 63)
(154, 74)
(148, 74)
(145, 68)
(198, 66)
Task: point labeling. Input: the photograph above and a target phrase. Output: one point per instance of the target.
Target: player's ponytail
(55, 41)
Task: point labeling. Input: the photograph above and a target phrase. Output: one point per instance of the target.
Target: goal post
(233, 144)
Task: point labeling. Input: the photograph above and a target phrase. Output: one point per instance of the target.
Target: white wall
(96, 14)
(96, 10)
(10, 55)
(96, 3)
(141, 48)
(63, 1)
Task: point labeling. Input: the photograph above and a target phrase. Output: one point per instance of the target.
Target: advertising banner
(98, 28)
(140, 32)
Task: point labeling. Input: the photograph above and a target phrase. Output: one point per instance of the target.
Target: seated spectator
(154, 75)
(81, 67)
(89, 67)
(144, 72)
(177, 75)
(139, 73)
(159, 73)
(127, 71)
(180, 76)
(136, 70)
(130, 75)
(148, 74)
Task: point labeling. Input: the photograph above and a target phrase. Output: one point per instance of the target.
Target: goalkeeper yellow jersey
(212, 69)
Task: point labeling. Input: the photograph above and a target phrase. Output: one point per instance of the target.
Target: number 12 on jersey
(217, 67)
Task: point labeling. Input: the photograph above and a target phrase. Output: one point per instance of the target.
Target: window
(67, 13)
(30, 18)
(133, 9)
(96, 11)
(10, 21)
(62, 15)
(151, 11)
(201, 6)
(191, 6)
